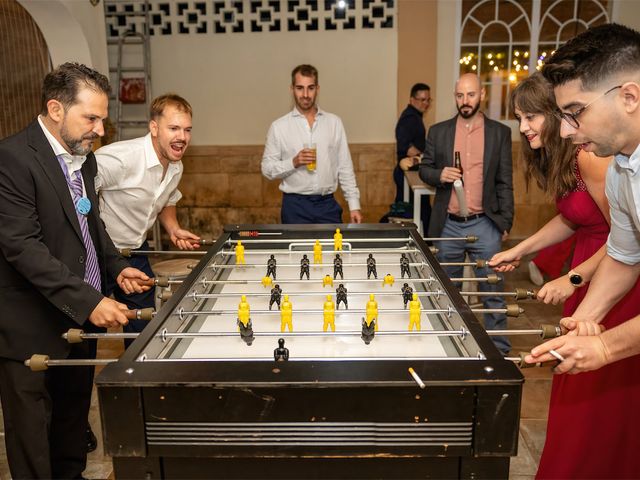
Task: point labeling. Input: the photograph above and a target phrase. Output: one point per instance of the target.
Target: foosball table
(256, 368)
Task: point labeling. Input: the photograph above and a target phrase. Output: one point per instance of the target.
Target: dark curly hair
(64, 83)
(594, 56)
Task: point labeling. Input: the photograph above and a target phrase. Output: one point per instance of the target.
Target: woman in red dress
(593, 416)
(550, 261)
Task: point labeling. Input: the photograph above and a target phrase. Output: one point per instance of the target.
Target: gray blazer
(497, 190)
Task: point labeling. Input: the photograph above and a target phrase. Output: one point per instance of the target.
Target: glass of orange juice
(311, 146)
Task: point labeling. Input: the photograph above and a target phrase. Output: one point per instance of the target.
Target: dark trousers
(45, 417)
(310, 209)
(488, 244)
(135, 300)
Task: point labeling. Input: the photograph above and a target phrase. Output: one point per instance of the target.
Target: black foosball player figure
(407, 293)
(371, 267)
(404, 266)
(341, 296)
(276, 295)
(246, 332)
(281, 354)
(304, 266)
(271, 267)
(337, 267)
(368, 331)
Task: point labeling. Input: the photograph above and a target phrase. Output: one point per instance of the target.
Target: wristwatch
(576, 279)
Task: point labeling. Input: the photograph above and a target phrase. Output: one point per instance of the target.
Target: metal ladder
(130, 120)
(131, 55)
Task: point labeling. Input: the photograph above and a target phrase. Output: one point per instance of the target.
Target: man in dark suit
(55, 255)
(484, 147)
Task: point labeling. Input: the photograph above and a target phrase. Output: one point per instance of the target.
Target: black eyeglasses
(572, 118)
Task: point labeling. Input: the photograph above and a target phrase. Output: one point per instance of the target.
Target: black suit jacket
(497, 189)
(42, 260)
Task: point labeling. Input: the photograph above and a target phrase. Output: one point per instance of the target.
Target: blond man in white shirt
(138, 183)
(307, 149)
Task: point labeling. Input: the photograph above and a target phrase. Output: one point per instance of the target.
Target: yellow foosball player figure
(266, 281)
(414, 313)
(337, 240)
(388, 280)
(317, 252)
(244, 321)
(244, 312)
(329, 312)
(372, 311)
(286, 314)
(239, 253)
(327, 280)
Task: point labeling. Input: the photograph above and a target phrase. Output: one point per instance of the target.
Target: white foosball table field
(193, 398)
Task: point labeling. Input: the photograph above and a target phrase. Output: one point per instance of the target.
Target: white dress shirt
(287, 136)
(623, 193)
(132, 190)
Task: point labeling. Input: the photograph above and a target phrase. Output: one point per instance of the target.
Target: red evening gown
(594, 417)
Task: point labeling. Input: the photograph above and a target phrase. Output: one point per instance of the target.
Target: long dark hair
(552, 166)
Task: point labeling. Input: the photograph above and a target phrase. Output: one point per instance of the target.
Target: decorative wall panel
(215, 17)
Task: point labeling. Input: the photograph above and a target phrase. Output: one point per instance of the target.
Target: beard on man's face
(75, 144)
(468, 113)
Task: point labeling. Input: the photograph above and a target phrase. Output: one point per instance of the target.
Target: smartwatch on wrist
(576, 279)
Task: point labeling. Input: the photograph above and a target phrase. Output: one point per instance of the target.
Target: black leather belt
(310, 197)
(457, 218)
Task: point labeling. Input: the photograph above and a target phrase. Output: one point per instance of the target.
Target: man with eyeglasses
(596, 78)
(411, 134)
(410, 143)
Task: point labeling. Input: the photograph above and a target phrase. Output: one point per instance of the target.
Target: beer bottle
(457, 163)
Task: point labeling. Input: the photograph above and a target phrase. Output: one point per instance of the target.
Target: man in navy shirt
(410, 141)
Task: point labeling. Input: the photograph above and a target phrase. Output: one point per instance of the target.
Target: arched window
(504, 41)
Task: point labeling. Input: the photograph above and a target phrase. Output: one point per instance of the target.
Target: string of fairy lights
(497, 61)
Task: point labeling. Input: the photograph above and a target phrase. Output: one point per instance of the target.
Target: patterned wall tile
(188, 17)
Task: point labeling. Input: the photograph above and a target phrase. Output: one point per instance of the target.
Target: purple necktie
(92, 268)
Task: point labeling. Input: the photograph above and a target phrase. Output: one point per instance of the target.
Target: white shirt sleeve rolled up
(623, 193)
(133, 189)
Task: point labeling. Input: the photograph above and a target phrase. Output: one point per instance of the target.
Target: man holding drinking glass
(307, 149)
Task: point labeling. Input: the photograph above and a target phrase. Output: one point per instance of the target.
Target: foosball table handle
(523, 364)
(523, 294)
(37, 363)
(550, 331)
(514, 310)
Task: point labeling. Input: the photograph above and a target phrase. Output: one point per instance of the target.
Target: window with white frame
(504, 41)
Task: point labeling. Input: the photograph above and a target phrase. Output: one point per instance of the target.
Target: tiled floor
(534, 403)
